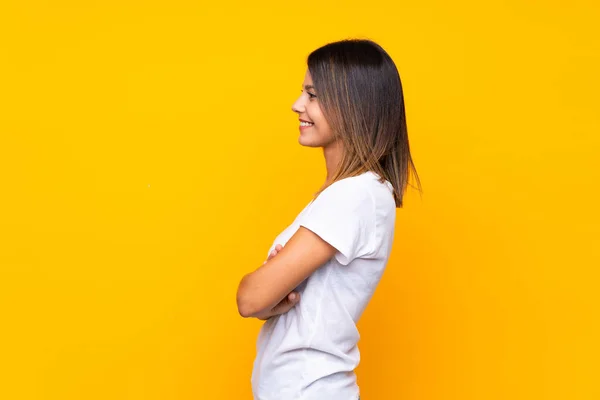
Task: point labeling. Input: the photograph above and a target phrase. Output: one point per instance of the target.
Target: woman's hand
(274, 252)
(287, 303)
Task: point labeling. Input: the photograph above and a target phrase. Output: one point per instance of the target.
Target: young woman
(322, 269)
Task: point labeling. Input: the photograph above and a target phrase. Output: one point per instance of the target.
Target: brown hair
(360, 95)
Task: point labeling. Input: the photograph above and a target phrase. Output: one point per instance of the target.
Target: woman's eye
(310, 95)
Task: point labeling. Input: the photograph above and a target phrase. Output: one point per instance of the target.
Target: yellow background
(149, 156)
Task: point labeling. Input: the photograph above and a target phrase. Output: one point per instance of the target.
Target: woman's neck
(333, 157)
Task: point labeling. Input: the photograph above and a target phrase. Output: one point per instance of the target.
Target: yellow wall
(149, 156)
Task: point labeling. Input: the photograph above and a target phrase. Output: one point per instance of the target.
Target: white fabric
(310, 352)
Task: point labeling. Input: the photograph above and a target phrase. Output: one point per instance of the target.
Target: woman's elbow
(244, 304)
(244, 307)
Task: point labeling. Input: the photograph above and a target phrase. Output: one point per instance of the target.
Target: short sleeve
(343, 215)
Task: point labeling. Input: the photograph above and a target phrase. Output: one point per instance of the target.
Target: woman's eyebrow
(308, 87)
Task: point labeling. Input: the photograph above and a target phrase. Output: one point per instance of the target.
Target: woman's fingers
(273, 253)
(286, 304)
(276, 250)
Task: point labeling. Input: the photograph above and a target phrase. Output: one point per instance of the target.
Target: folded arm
(261, 290)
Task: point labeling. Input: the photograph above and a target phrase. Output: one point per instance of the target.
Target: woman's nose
(298, 106)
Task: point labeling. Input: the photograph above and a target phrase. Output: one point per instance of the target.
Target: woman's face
(317, 132)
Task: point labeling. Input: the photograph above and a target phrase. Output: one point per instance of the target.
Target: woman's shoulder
(366, 183)
(365, 189)
(365, 179)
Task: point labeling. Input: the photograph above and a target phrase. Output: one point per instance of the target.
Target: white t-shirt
(310, 352)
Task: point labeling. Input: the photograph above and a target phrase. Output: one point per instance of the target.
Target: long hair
(360, 95)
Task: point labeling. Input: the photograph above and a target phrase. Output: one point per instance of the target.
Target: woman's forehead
(307, 78)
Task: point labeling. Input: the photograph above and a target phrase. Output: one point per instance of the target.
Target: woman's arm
(260, 291)
(284, 305)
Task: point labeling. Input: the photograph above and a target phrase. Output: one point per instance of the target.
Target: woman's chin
(304, 141)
